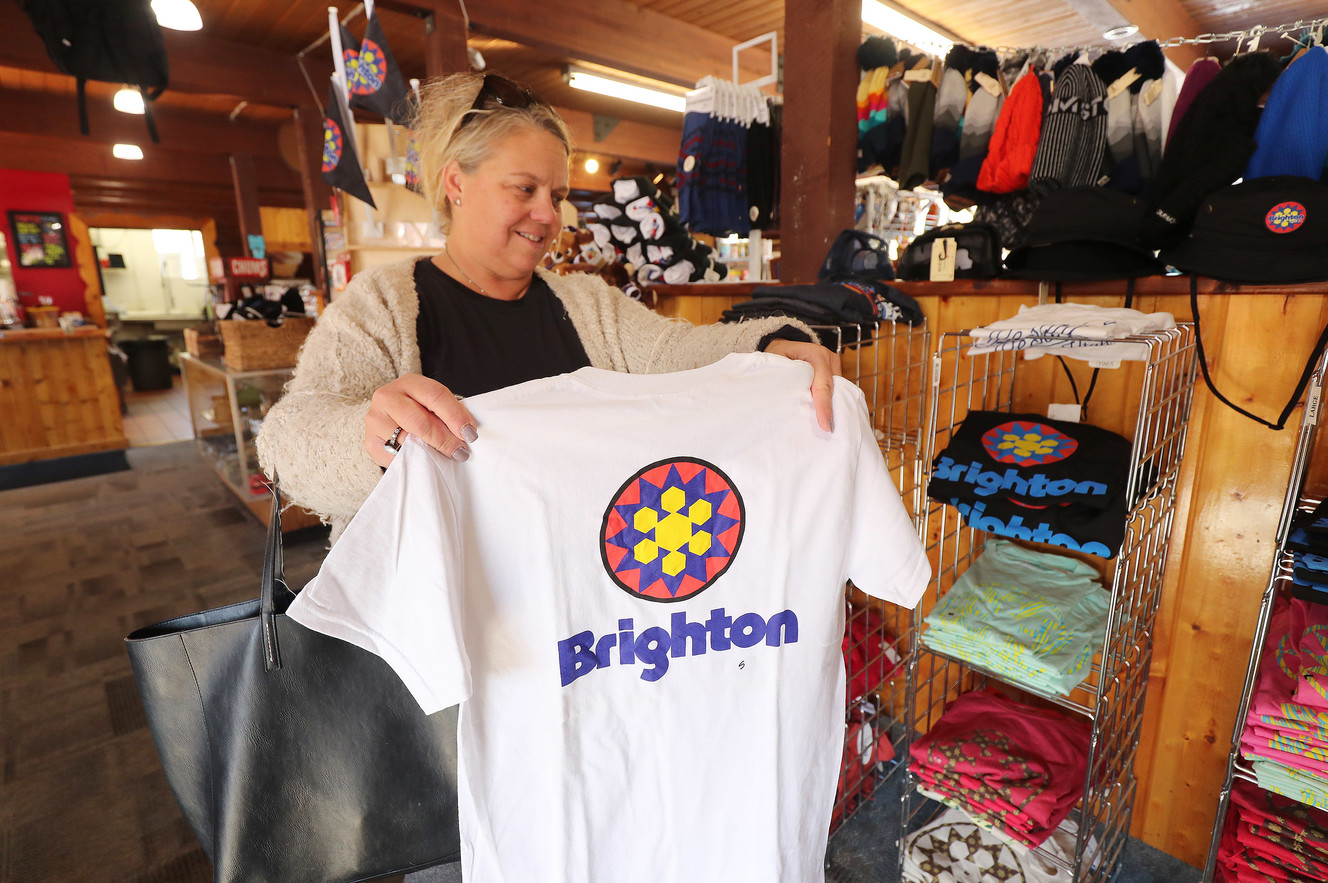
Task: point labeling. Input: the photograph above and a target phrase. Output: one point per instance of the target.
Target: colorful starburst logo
(370, 69)
(1285, 217)
(672, 529)
(1025, 443)
(331, 145)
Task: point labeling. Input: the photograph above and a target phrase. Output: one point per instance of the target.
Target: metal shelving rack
(1280, 575)
(889, 365)
(1112, 697)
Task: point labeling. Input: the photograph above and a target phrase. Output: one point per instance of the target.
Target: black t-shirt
(471, 343)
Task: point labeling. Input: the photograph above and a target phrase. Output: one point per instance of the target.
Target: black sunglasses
(502, 91)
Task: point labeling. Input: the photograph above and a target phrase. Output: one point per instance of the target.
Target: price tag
(1153, 92)
(1122, 84)
(943, 260)
(990, 83)
(917, 76)
(688, 163)
(1064, 413)
(1106, 364)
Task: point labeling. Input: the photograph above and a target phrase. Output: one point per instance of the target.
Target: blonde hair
(445, 103)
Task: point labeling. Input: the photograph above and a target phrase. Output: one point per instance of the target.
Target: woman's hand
(421, 407)
(825, 368)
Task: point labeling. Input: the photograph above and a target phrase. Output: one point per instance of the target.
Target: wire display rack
(1112, 696)
(888, 362)
(1279, 579)
(899, 216)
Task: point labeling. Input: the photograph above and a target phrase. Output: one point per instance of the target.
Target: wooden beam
(444, 35)
(624, 36)
(1160, 19)
(246, 198)
(819, 140)
(42, 113)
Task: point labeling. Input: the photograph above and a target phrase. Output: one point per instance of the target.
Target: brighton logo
(331, 145)
(672, 529)
(1285, 217)
(1026, 443)
(370, 70)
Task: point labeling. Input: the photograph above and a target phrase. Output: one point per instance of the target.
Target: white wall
(151, 284)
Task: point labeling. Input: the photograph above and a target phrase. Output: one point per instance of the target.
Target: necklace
(473, 284)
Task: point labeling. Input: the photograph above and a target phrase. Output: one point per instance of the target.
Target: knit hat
(1074, 132)
(961, 186)
(1197, 78)
(958, 84)
(1084, 234)
(1262, 230)
(1014, 140)
(877, 52)
(1293, 131)
(1211, 146)
(914, 154)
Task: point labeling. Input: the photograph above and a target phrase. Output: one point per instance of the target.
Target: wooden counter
(1232, 482)
(57, 395)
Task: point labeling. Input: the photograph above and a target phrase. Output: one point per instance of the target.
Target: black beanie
(877, 52)
(1210, 147)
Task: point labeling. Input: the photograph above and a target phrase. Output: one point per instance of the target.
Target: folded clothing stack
(640, 224)
(1286, 730)
(1033, 617)
(1308, 543)
(982, 856)
(1015, 769)
(1079, 331)
(830, 306)
(1026, 477)
(1270, 838)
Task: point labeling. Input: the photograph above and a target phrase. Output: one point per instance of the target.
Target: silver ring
(392, 445)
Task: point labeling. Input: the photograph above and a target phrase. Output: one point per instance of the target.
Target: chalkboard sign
(39, 239)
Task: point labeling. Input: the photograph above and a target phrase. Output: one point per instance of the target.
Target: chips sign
(240, 268)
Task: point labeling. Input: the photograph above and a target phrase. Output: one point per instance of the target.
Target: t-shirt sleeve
(392, 583)
(885, 557)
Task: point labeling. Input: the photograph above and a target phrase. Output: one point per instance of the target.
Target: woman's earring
(458, 200)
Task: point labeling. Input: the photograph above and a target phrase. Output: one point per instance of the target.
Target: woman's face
(510, 208)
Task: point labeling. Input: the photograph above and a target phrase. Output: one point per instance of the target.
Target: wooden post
(308, 146)
(444, 33)
(820, 131)
(246, 197)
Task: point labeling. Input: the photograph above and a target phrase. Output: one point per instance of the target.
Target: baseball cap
(1264, 230)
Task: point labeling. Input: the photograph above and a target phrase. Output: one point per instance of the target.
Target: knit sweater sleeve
(313, 437)
(622, 334)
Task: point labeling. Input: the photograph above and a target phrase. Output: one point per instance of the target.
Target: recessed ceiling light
(178, 15)
(128, 100)
(127, 151)
(592, 165)
(1121, 32)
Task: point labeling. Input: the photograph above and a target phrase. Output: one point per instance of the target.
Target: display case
(226, 408)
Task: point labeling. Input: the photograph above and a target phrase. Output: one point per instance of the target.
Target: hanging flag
(350, 53)
(378, 85)
(341, 162)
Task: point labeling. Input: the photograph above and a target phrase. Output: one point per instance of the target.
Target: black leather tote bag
(295, 756)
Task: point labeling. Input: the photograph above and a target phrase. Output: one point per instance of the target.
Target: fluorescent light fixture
(601, 85)
(127, 151)
(903, 28)
(128, 100)
(592, 165)
(178, 15)
(1121, 32)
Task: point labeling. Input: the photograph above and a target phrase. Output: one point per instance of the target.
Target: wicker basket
(252, 345)
(202, 342)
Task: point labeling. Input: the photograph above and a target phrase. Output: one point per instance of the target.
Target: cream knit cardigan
(314, 436)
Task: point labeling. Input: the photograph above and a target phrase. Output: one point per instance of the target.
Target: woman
(395, 354)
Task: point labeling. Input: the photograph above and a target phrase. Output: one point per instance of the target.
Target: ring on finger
(393, 443)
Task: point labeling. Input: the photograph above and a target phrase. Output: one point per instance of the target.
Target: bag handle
(274, 574)
(1203, 367)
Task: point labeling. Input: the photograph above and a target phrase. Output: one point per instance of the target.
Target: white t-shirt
(634, 586)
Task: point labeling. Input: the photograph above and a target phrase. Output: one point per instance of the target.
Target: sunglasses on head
(502, 91)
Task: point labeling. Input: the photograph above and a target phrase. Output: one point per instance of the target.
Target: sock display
(642, 226)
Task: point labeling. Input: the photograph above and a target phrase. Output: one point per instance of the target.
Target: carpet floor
(88, 560)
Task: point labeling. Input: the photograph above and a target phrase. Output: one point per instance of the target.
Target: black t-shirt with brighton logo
(1028, 477)
(473, 344)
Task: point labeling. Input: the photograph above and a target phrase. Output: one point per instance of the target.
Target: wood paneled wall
(1232, 483)
(57, 395)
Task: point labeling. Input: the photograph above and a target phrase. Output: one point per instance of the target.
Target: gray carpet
(86, 561)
